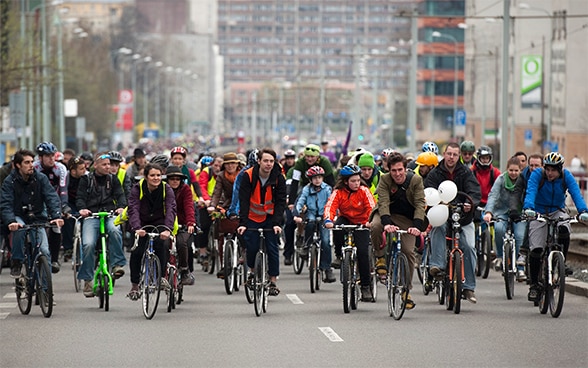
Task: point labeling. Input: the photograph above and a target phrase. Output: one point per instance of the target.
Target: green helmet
(467, 146)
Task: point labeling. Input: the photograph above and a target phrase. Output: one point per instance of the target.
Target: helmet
(253, 157)
(206, 160)
(553, 159)
(115, 156)
(161, 160)
(87, 156)
(484, 151)
(58, 156)
(289, 153)
(46, 148)
(377, 158)
(467, 146)
(387, 152)
(427, 159)
(430, 147)
(349, 170)
(314, 171)
(312, 150)
(179, 149)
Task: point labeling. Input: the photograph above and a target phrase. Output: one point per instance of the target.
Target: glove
(583, 217)
(530, 213)
(514, 215)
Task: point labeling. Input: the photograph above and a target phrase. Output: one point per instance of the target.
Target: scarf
(508, 183)
(231, 177)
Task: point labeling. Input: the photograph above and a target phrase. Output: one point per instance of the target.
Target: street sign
(528, 137)
(460, 123)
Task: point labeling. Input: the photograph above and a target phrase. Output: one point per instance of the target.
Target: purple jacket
(150, 209)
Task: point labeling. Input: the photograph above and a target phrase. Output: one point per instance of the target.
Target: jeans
(271, 245)
(500, 230)
(18, 240)
(90, 232)
(326, 256)
(467, 246)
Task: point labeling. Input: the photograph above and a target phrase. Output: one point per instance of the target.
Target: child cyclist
(351, 202)
(314, 196)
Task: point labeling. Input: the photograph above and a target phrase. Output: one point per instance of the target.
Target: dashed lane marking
(331, 334)
(10, 296)
(294, 299)
(7, 305)
(4, 315)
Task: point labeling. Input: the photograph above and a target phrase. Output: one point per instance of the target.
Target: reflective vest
(258, 211)
(121, 175)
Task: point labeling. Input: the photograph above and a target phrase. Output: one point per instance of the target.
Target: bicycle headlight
(455, 216)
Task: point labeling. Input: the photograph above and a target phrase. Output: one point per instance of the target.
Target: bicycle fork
(450, 267)
(103, 268)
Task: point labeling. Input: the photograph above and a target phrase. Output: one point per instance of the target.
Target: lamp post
(455, 72)
(179, 72)
(60, 115)
(135, 57)
(159, 65)
(147, 60)
(166, 124)
(504, 87)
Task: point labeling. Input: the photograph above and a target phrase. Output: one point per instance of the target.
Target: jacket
(100, 193)
(486, 177)
(546, 196)
(275, 188)
(354, 206)
(185, 205)
(314, 199)
(223, 191)
(153, 208)
(500, 198)
(299, 176)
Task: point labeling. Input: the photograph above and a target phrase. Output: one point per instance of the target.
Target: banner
(531, 81)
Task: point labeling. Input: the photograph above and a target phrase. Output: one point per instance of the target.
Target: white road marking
(7, 305)
(331, 334)
(10, 296)
(4, 315)
(294, 299)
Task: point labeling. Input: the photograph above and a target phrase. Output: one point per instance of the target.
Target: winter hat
(366, 160)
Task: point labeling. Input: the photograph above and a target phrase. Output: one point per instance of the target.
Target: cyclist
(427, 147)
(425, 162)
(330, 155)
(262, 198)
(401, 205)
(222, 196)
(88, 160)
(546, 193)
(467, 149)
(522, 156)
(351, 203)
(57, 174)
(116, 160)
(135, 169)
(290, 160)
(451, 169)
(498, 208)
(207, 181)
(186, 218)
(27, 197)
(314, 196)
(68, 154)
(100, 191)
(484, 172)
(77, 169)
(369, 174)
(252, 158)
(178, 158)
(152, 202)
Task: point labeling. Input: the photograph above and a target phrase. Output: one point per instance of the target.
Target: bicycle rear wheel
(44, 286)
(543, 283)
(557, 287)
(249, 288)
(150, 285)
(355, 293)
(24, 293)
(346, 280)
(424, 272)
(397, 286)
(238, 270)
(171, 293)
(457, 285)
(76, 262)
(229, 274)
(509, 269)
(486, 254)
(313, 268)
(258, 284)
(297, 259)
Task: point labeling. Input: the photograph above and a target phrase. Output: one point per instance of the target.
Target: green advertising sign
(531, 81)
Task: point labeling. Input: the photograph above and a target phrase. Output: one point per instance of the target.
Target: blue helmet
(349, 170)
(206, 160)
(430, 147)
(46, 148)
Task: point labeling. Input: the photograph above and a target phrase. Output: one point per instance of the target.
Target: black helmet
(115, 156)
(161, 160)
(484, 151)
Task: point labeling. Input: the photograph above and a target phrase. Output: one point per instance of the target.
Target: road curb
(576, 287)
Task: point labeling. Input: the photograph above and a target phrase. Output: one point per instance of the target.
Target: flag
(347, 140)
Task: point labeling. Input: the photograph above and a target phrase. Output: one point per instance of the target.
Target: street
(300, 329)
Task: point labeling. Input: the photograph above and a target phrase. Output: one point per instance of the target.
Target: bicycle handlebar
(360, 227)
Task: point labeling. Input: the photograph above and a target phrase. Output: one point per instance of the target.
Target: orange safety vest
(258, 211)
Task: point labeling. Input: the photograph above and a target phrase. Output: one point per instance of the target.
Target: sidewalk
(576, 287)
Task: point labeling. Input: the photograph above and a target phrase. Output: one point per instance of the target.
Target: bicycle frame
(455, 236)
(103, 255)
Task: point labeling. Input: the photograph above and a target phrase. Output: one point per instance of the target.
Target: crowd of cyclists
(286, 193)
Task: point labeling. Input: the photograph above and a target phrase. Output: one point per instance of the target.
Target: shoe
(534, 293)
(15, 269)
(88, 289)
(134, 294)
(410, 304)
(273, 289)
(250, 279)
(521, 276)
(328, 276)
(569, 271)
(498, 264)
(203, 259)
(522, 260)
(187, 278)
(118, 272)
(470, 296)
(288, 261)
(366, 294)
(67, 254)
(221, 273)
(381, 267)
(164, 285)
(434, 271)
(55, 267)
(336, 264)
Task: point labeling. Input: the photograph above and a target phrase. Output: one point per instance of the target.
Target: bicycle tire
(543, 283)
(486, 253)
(238, 279)
(478, 246)
(355, 294)
(508, 273)
(44, 286)
(346, 281)
(100, 292)
(558, 287)
(150, 285)
(2, 252)
(248, 288)
(297, 260)
(258, 284)
(319, 273)
(212, 251)
(106, 292)
(24, 291)
(375, 278)
(457, 282)
(449, 291)
(313, 270)
(76, 262)
(171, 293)
(397, 286)
(228, 269)
(424, 272)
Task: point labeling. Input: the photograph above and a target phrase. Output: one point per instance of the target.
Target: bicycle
(233, 267)
(484, 241)
(314, 248)
(298, 257)
(426, 281)
(175, 292)
(509, 258)
(212, 247)
(260, 282)
(398, 275)
(349, 271)
(150, 277)
(76, 252)
(103, 281)
(35, 277)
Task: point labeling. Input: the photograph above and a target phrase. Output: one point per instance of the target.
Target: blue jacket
(315, 200)
(552, 194)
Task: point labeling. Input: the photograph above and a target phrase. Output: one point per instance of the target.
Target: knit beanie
(366, 160)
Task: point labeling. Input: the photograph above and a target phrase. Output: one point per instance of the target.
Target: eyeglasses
(311, 149)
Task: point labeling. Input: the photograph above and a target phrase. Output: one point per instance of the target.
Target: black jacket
(97, 193)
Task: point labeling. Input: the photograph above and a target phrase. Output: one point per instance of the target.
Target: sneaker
(328, 276)
(134, 294)
(221, 273)
(186, 279)
(203, 259)
(434, 271)
(118, 272)
(521, 276)
(336, 264)
(410, 304)
(381, 266)
(15, 269)
(470, 296)
(67, 254)
(88, 289)
(522, 260)
(288, 261)
(533, 295)
(273, 289)
(250, 279)
(498, 264)
(55, 267)
(569, 271)
(366, 294)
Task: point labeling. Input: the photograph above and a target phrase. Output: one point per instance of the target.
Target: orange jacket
(354, 206)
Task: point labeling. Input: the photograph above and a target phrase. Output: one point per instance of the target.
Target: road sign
(460, 123)
(528, 137)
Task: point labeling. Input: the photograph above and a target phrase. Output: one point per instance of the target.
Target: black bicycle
(260, 283)
(314, 248)
(398, 275)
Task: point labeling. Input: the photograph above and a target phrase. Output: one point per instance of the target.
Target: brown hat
(230, 157)
(174, 171)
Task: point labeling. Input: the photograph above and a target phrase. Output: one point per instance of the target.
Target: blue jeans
(271, 245)
(90, 232)
(18, 240)
(500, 230)
(467, 246)
(326, 256)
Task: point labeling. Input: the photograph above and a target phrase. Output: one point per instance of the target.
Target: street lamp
(179, 72)
(443, 35)
(135, 58)
(166, 125)
(147, 60)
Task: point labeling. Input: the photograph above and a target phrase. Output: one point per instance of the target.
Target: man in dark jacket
(451, 169)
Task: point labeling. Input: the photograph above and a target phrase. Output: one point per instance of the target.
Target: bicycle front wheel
(346, 281)
(258, 284)
(150, 285)
(544, 283)
(229, 274)
(457, 286)
(105, 293)
(76, 262)
(424, 272)
(558, 284)
(44, 286)
(313, 268)
(297, 259)
(397, 286)
(212, 251)
(24, 293)
(375, 278)
(509, 268)
(486, 254)
(171, 293)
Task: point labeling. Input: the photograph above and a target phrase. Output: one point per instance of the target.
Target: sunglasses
(312, 150)
(103, 157)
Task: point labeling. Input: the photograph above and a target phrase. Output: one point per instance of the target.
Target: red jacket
(185, 205)
(354, 206)
(486, 177)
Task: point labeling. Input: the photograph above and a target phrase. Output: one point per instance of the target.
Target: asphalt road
(300, 329)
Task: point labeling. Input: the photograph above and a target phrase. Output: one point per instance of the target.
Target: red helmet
(179, 149)
(314, 171)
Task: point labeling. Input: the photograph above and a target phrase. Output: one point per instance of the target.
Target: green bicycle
(103, 280)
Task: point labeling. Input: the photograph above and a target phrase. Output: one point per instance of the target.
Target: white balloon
(438, 215)
(447, 191)
(432, 196)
